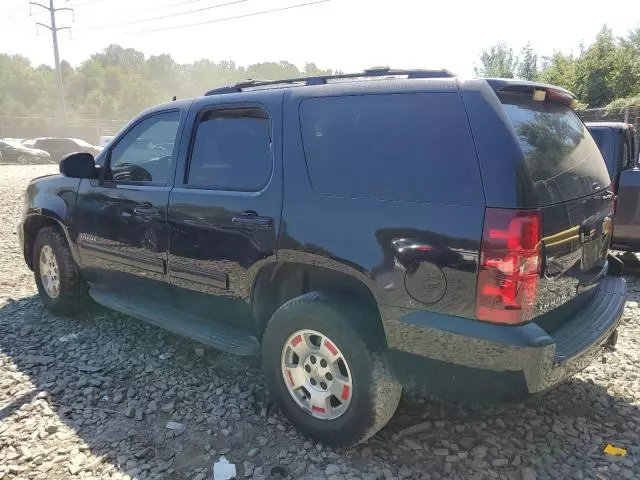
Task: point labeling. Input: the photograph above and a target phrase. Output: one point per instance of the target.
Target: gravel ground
(90, 397)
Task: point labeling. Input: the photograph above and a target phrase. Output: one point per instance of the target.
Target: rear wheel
(327, 374)
(60, 284)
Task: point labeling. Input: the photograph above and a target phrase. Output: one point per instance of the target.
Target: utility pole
(54, 34)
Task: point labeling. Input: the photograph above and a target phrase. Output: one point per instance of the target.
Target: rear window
(561, 158)
(410, 147)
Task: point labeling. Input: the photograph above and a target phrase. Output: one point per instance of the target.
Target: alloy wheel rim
(316, 374)
(49, 273)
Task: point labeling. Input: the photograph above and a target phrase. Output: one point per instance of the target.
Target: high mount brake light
(553, 95)
(510, 265)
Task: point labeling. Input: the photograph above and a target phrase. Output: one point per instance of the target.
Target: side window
(413, 147)
(231, 150)
(144, 154)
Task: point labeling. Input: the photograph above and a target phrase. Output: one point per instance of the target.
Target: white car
(104, 140)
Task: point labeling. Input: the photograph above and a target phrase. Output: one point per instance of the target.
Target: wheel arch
(32, 224)
(278, 282)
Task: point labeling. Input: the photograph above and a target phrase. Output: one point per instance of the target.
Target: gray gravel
(92, 397)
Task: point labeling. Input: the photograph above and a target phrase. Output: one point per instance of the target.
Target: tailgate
(564, 175)
(575, 240)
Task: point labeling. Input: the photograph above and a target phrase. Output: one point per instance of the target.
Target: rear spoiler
(540, 92)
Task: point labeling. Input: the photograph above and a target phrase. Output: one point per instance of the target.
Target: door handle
(252, 220)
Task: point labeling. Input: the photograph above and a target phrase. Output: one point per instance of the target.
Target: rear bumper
(465, 359)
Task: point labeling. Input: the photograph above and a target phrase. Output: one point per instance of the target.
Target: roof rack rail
(322, 80)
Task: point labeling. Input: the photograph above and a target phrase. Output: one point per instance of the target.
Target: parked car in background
(618, 143)
(104, 140)
(16, 152)
(358, 232)
(60, 147)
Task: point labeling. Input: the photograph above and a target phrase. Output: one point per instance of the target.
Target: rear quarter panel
(356, 235)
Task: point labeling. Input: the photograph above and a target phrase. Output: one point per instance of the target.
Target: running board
(222, 337)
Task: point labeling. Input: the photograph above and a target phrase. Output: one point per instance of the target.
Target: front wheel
(60, 284)
(326, 372)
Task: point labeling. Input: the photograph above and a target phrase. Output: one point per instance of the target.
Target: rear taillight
(510, 263)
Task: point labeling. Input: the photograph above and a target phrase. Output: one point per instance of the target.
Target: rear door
(562, 173)
(224, 212)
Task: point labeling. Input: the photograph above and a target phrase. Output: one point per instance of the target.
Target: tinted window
(560, 156)
(412, 147)
(144, 154)
(600, 136)
(231, 150)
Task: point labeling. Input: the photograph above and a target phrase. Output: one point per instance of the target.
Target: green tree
(604, 71)
(499, 61)
(528, 66)
(560, 70)
(595, 70)
(312, 70)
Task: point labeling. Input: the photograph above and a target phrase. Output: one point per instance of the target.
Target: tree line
(119, 82)
(604, 74)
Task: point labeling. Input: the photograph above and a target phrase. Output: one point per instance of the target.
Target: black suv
(360, 232)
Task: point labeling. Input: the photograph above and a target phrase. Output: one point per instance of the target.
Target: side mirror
(78, 165)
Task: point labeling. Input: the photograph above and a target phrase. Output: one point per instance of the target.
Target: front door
(224, 211)
(122, 218)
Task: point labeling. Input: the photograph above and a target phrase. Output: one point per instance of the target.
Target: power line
(171, 5)
(88, 2)
(13, 13)
(145, 20)
(264, 12)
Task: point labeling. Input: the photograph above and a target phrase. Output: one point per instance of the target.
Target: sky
(349, 35)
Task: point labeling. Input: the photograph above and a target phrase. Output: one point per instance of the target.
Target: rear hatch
(567, 178)
(553, 245)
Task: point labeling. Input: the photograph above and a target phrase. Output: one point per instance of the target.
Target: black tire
(376, 392)
(73, 289)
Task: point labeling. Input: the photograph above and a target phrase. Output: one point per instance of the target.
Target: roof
(370, 74)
